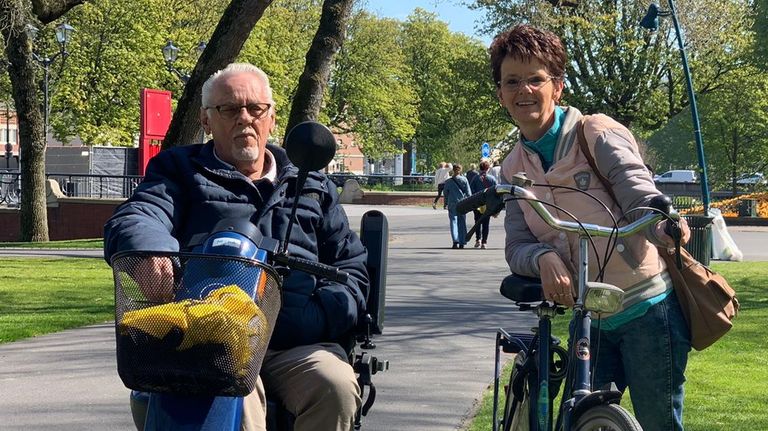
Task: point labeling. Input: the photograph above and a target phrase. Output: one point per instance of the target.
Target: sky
(459, 18)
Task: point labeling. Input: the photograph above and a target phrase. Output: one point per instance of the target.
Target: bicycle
(540, 366)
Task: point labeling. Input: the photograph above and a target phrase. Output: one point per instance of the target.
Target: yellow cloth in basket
(226, 316)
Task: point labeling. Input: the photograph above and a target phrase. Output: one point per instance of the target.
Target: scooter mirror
(310, 146)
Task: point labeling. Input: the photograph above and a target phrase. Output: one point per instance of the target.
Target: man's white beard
(246, 154)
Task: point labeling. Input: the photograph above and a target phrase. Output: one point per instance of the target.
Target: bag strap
(590, 159)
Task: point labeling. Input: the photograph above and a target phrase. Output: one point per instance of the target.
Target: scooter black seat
(520, 288)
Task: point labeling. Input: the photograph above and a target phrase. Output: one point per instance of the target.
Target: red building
(348, 157)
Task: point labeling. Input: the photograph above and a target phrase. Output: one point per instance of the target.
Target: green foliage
(620, 69)
(393, 82)
(116, 51)
(113, 55)
(734, 121)
(279, 43)
(371, 92)
(761, 33)
(458, 108)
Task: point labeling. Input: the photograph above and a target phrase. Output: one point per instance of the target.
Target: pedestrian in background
(441, 174)
(495, 171)
(456, 189)
(471, 173)
(480, 182)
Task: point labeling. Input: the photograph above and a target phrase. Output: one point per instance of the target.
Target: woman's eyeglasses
(230, 112)
(534, 83)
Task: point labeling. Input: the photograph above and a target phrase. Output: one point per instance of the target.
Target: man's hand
(154, 276)
(555, 279)
(685, 232)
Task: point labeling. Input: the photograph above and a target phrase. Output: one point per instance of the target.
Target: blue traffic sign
(485, 150)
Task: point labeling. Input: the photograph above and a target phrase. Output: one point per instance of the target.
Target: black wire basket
(193, 324)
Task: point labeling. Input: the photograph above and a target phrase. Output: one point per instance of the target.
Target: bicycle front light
(603, 298)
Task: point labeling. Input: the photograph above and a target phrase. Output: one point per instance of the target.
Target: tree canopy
(620, 69)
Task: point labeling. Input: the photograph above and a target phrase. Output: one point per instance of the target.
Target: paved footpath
(443, 307)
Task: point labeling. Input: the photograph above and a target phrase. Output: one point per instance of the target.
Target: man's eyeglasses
(533, 83)
(230, 112)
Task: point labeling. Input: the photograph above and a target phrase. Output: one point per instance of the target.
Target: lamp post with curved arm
(171, 53)
(651, 22)
(63, 35)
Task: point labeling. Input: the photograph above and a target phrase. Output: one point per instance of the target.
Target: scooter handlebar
(473, 202)
(312, 267)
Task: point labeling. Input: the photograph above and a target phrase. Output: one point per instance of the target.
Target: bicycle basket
(200, 329)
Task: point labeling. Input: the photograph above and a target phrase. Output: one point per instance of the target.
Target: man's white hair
(231, 69)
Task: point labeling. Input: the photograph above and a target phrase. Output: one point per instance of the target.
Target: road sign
(485, 150)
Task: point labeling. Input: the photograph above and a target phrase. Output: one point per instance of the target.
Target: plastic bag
(723, 245)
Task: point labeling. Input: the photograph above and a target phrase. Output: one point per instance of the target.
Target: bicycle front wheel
(607, 417)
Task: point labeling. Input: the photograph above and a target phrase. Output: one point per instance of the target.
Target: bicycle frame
(537, 351)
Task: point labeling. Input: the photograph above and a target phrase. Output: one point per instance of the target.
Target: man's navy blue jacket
(187, 190)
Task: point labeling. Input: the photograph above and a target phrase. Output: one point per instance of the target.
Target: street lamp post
(8, 145)
(651, 22)
(63, 35)
(170, 55)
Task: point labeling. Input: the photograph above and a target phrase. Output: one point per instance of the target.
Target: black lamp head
(651, 19)
(310, 146)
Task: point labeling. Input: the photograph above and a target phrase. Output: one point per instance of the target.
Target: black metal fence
(123, 186)
(96, 186)
(10, 188)
(386, 182)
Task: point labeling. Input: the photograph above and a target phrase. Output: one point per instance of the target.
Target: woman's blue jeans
(649, 355)
(458, 225)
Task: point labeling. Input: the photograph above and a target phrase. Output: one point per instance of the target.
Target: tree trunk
(226, 42)
(22, 72)
(327, 41)
(408, 158)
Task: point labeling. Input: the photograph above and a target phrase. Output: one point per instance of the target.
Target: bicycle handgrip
(471, 203)
(314, 268)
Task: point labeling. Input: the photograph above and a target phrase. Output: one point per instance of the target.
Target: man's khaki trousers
(315, 383)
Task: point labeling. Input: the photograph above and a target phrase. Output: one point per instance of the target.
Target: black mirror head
(310, 146)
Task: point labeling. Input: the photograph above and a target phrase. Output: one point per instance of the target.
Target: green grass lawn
(43, 295)
(726, 383)
(75, 243)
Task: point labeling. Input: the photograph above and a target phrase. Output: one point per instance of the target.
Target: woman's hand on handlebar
(555, 279)
(662, 234)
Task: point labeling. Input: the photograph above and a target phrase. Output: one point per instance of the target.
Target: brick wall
(72, 218)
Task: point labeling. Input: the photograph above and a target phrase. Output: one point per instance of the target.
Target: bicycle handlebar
(480, 198)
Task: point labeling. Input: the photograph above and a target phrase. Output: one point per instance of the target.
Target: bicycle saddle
(520, 288)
